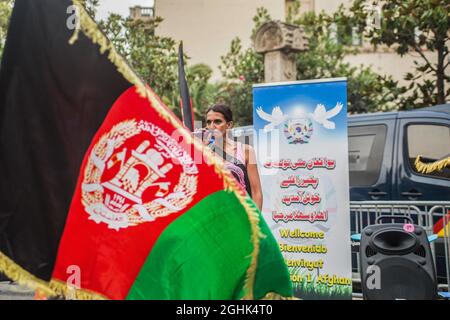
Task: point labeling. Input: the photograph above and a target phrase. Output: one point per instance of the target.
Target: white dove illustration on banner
(299, 129)
(322, 116)
(275, 119)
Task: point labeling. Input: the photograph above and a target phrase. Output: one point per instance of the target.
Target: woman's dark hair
(223, 109)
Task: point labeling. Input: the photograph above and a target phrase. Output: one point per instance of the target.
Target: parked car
(384, 146)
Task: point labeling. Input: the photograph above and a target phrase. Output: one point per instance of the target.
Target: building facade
(207, 28)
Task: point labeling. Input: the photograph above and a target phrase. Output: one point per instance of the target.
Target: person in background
(239, 158)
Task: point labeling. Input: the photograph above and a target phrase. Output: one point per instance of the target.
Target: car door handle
(411, 194)
(377, 193)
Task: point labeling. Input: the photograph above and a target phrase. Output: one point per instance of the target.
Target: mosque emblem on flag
(137, 173)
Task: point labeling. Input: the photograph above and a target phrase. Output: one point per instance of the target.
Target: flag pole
(186, 104)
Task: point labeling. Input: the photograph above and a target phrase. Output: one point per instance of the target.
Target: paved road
(12, 291)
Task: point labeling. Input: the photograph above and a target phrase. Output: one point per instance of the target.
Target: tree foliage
(202, 93)
(414, 26)
(5, 13)
(242, 69)
(330, 41)
(153, 57)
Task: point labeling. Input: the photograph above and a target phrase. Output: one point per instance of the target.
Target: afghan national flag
(152, 215)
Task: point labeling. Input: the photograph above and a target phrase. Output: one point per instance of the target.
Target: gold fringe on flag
(23, 277)
(54, 288)
(276, 296)
(72, 293)
(431, 167)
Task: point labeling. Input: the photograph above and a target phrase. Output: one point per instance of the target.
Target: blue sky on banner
(120, 6)
(301, 100)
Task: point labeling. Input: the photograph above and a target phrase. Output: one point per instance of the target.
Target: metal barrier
(423, 213)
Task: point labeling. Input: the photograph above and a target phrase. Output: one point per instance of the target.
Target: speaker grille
(401, 279)
(420, 251)
(370, 251)
(394, 241)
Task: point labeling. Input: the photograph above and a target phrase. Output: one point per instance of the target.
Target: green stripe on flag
(205, 254)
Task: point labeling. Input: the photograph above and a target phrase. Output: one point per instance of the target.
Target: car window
(365, 153)
(432, 143)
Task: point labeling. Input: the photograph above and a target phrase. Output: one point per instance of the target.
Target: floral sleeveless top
(236, 165)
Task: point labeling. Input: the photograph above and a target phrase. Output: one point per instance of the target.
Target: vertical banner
(302, 149)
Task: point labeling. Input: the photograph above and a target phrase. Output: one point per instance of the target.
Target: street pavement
(13, 291)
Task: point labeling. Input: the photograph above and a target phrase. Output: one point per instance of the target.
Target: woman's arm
(253, 176)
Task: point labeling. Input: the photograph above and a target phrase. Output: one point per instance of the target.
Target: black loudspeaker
(396, 263)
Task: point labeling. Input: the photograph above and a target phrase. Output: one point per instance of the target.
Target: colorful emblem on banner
(298, 130)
